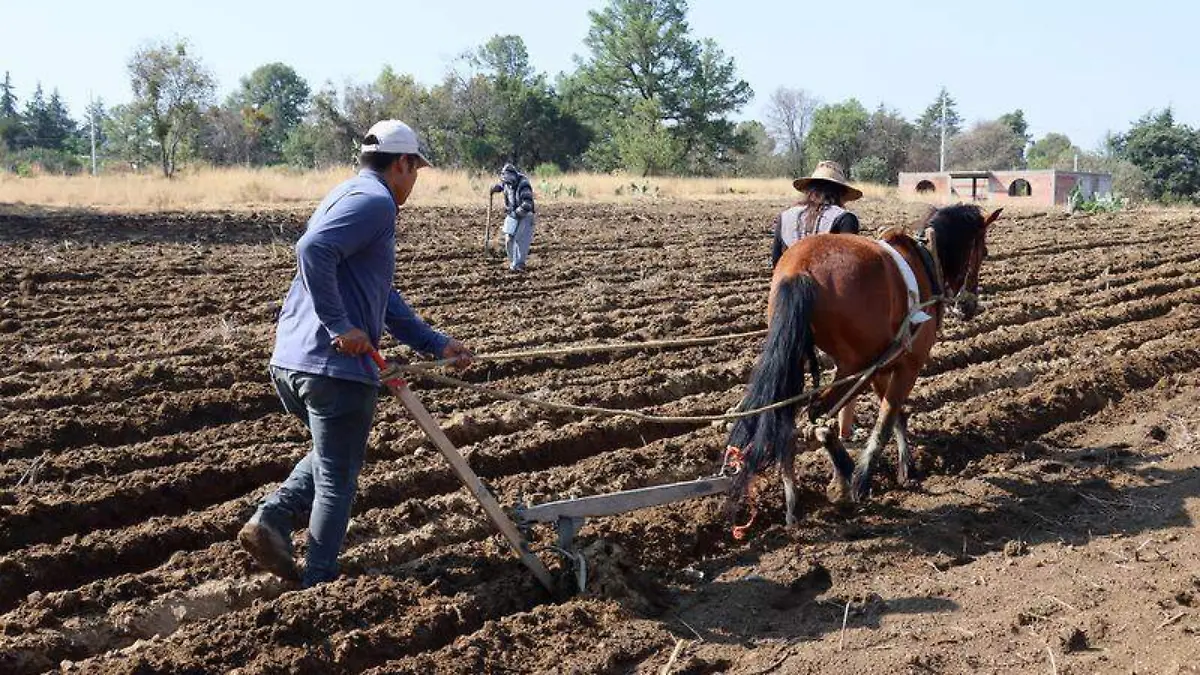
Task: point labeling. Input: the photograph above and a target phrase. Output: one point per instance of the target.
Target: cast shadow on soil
(1068, 496)
(757, 609)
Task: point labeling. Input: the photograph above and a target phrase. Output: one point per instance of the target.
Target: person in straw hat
(821, 210)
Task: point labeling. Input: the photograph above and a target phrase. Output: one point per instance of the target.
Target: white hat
(396, 138)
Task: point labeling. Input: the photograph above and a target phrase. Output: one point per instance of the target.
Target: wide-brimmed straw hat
(829, 172)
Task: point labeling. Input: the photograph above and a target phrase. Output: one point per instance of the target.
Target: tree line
(646, 97)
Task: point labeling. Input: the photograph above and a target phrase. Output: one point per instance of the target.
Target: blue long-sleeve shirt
(346, 262)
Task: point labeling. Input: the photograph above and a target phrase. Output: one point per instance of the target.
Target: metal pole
(942, 154)
(92, 124)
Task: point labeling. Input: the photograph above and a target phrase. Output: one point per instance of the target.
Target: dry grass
(207, 189)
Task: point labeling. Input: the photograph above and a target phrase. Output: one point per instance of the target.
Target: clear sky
(1082, 67)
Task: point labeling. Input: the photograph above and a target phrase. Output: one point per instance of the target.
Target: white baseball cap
(396, 138)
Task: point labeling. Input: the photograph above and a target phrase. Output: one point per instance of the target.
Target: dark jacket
(518, 195)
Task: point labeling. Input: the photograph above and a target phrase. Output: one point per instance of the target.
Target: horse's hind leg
(890, 408)
(787, 470)
(843, 466)
(904, 460)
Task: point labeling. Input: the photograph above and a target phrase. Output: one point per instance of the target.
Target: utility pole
(92, 124)
(942, 154)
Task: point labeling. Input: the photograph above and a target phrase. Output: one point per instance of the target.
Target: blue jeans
(320, 489)
(518, 236)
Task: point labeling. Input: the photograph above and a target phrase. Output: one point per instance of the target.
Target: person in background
(518, 219)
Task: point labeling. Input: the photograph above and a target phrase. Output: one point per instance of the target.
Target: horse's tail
(779, 374)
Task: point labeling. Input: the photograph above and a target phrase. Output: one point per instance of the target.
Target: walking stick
(487, 228)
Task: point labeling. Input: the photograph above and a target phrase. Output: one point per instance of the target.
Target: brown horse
(846, 295)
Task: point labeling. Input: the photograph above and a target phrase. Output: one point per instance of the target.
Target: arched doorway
(926, 187)
(1020, 188)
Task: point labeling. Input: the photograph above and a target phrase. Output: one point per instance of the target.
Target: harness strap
(916, 315)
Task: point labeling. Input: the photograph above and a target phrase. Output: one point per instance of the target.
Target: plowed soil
(1057, 434)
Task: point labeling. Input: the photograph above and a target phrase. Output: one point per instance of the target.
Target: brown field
(1057, 435)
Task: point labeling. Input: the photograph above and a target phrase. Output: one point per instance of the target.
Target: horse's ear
(992, 218)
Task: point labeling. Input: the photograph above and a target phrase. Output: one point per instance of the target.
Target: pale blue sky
(1082, 68)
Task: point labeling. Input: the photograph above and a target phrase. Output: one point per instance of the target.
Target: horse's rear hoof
(860, 487)
(838, 492)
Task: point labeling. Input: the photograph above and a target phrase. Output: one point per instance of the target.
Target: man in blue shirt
(340, 302)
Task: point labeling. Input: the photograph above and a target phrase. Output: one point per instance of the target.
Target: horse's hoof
(860, 487)
(838, 492)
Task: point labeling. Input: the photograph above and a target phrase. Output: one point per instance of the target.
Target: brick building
(1037, 188)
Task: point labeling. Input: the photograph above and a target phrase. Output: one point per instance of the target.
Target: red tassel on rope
(735, 459)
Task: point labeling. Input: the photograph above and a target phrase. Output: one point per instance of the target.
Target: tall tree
(62, 130)
(789, 116)
(1015, 120)
(272, 100)
(838, 133)
(171, 88)
(504, 57)
(1168, 153)
(642, 58)
(759, 158)
(887, 141)
(35, 121)
(930, 123)
(10, 120)
(1052, 151)
(130, 136)
(988, 146)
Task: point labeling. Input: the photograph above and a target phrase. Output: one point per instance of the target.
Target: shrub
(871, 170)
(547, 170)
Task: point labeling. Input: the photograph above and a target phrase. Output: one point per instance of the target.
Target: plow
(567, 515)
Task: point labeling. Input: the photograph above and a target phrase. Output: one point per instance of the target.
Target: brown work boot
(269, 549)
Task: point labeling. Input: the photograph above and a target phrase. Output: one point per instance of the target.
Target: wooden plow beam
(567, 515)
(399, 387)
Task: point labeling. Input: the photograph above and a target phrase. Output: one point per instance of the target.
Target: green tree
(930, 123)
(988, 146)
(838, 133)
(872, 169)
(1052, 151)
(272, 101)
(35, 121)
(642, 58)
(1015, 120)
(644, 145)
(505, 58)
(61, 133)
(888, 139)
(171, 88)
(11, 128)
(130, 136)
(759, 157)
(1168, 154)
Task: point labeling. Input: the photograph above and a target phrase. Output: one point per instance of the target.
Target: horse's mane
(955, 228)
